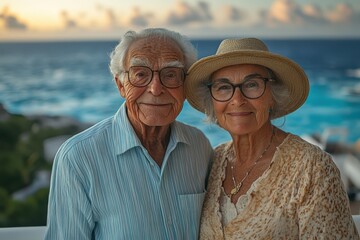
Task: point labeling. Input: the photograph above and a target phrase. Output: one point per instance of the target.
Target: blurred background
(55, 82)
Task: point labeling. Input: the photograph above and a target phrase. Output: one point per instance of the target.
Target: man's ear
(120, 86)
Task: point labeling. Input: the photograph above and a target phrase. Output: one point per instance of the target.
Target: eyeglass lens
(251, 88)
(170, 77)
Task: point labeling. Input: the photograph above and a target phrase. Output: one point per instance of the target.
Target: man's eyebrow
(145, 62)
(139, 62)
(173, 64)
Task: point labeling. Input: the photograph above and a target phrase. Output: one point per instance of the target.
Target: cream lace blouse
(300, 196)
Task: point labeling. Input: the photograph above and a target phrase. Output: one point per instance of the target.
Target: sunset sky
(24, 20)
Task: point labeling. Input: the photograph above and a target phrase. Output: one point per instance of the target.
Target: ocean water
(72, 78)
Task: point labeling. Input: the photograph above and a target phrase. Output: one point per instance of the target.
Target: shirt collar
(125, 137)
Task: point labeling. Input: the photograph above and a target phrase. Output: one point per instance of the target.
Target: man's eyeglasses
(252, 88)
(170, 77)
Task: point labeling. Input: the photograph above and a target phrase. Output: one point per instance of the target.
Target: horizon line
(48, 40)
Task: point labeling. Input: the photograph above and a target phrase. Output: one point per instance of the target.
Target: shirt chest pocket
(190, 213)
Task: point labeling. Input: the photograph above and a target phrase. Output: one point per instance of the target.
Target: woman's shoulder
(299, 144)
(307, 153)
(223, 148)
(222, 152)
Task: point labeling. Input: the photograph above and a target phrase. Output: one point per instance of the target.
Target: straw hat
(248, 51)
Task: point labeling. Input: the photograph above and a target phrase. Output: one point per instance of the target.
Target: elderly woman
(265, 183)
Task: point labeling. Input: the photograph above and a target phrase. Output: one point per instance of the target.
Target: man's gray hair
(117, 56)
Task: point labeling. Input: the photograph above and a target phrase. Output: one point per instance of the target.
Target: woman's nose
(238, 97)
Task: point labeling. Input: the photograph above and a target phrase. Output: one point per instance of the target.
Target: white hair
(117, 56)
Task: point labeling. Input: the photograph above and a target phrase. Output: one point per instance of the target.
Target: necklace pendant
(234, 191)
(237, 187)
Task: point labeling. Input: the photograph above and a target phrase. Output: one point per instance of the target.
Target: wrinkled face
(241, 115)
(154, 104)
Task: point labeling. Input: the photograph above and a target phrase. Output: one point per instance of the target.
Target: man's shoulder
(188, 128)
(89, 136)
(190, 131)
(191, 134)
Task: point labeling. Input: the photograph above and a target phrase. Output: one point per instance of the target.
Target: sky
(29, 20)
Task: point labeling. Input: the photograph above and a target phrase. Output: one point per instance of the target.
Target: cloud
(343, 14)
(288, 12)
(229, 13)
(313, 14)
(140, 19)
(285, 12)
(10, 21)
(136, 17)
(68, 22)
(311, 10)
(184, 14)
(340, 14)
(110, 15)
(202, 17)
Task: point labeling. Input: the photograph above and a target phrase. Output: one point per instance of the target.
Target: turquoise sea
(72, 78)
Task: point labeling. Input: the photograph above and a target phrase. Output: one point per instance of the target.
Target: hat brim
(286, 71)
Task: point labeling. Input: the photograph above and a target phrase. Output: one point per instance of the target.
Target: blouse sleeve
(324, 211)
(69, 208)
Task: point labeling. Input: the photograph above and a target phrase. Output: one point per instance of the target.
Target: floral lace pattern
(300, 196)
(230, 210)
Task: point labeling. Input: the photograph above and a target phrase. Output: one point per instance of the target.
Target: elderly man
(139, 174)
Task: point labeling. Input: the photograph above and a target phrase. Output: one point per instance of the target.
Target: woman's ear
(120, 86)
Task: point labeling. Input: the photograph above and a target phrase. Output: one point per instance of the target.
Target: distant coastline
(114, 40)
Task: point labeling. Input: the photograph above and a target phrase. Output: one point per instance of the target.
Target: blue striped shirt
(105, 185)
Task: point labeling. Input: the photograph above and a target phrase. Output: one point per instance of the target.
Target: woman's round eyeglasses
(254, 87)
